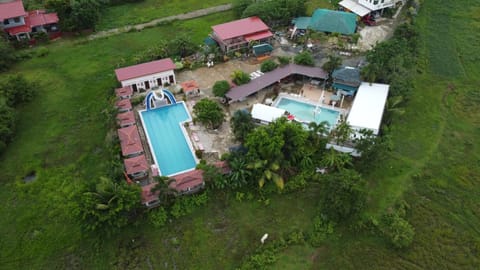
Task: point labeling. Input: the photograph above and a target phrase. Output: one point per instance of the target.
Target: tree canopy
(7, 55)
(304, 58)
(107, 205)
(242, 125)
(209, 113)
(220, 88)
(239, 77)
(278, 12)
(268, 65)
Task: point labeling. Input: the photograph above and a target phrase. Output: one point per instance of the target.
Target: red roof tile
(124, 91)
(40, 17)
(126, 118)
(124, 104)
(144, 69)
(189, 86)
(258, 36)
(136, 164)
(130, 140)
(147, 196)
(19, 29)
(187, 180)
(239, 28)
(223, 166)
(12, 9)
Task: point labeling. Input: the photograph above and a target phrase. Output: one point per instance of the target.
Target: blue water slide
(148, 100)
(170, 96)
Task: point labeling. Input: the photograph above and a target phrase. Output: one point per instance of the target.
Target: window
(17, 19)
(6, 22)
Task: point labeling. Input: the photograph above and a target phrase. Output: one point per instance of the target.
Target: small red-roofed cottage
(150, 199)
(126, 119)
(190, 88)
(18, 23)
(123, 105)
(124, 92)
(238, 34)
(136, 167)
(147, 75)
(130, 141)
(188, 183)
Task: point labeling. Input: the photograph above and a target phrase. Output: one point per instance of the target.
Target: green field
(148, 10)
(434, 167)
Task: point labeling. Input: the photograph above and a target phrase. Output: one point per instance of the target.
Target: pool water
(168, 144)
(307, 112)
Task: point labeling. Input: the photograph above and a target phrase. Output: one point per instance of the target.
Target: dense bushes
(268, 65)
(14, 90)
(272, 12)
(76, 15)
(7, 55)
(220, 88)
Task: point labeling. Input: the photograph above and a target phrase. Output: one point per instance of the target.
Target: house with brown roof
(147, 75)
(19, 24)
(236, 35)
(136, 167)
(130, 141)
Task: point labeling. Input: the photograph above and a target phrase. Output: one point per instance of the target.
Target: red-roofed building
(22, 25)
(237, 34)
(123, 105)
(190, 88)
(124, 92)
(126, 119)
(136, 167)
(147, 75)
(189, 182)
(150, 199)
(130, 141)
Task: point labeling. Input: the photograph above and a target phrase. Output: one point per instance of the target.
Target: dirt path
(185, 16)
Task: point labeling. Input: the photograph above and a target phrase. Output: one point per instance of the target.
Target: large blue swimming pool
(168, 144)
(307, 112)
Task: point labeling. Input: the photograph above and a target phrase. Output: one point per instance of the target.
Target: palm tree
(341, 133)
(393, 108)
(166, 194)
(268, 171)
(105, 193)
(335, 160)
(317, 131)
(240, 173)
(242, 124)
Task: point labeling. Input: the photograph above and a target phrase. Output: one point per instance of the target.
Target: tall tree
(333, 63)
(209, 113)
(166, 194)
(7, 55)
(242, 125)
(107, 205)
(343, 195)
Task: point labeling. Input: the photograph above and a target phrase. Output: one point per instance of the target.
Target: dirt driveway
(206, 77)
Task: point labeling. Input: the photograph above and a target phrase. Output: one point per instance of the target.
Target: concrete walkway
(185, 16)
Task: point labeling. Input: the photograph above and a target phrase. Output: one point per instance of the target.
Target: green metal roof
(347, 88)
(302, 22)
(262, 49)
(325, 20)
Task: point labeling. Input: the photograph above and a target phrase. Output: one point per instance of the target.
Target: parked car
(369, 20)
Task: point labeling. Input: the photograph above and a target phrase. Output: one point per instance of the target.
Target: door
(134, 87)
(172, 81)
(147, 85)
(159, 82)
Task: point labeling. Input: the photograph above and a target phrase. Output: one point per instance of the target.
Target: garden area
(424, 180)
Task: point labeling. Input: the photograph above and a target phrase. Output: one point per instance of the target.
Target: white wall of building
(152, 80)
(12, 22)
(378, 4)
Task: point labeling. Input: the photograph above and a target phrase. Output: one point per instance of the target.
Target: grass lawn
(312, 5)
(147, 10)
(434, 167)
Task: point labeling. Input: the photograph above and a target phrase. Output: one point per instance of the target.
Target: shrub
(185, 205)
(220, 88)
(322, 229)
(268, 65)
(158, 217)
(136, 100)
(42, 51)
(397, 230)
(304, 58)
(239, 77)
(284, 60)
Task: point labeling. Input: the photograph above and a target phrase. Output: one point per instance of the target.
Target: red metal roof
(124, 104)
(148, 196)
(18, 30)
(189, 86)
(258, 36)
(239, 28)
(124, 91)
(40, 17)
(130, 140)
(126, 118)
(12, 9)
(136, 164)
(144, 69)
(187, 180)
